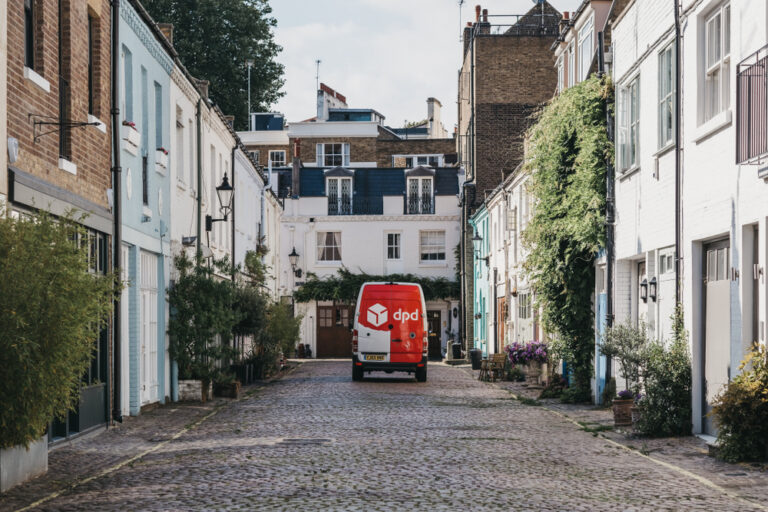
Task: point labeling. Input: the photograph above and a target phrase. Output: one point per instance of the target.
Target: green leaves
(567, 150)
(51, 312)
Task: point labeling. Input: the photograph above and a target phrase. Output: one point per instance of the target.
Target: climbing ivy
(345, 285)
(567, 151)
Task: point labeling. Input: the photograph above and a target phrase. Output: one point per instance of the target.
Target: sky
(389, 55)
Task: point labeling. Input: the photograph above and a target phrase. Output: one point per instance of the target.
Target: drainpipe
(198, 115)
(234, 150)
(610, 206)
(117, 241)
(678, 155)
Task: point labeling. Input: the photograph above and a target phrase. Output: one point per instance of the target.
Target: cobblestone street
(315, 440)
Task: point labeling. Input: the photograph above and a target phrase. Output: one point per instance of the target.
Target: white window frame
(395, 246)
(340, 181)
(629, 127)
(571, 66)
(586, 48)
(323, 248)
(424, 183)
(666, 263)
(432, 246)
(276, 163)
(524, 308)
(560, 74)
(667, 78)
(717, 62)
(179, 150)
(322, 154)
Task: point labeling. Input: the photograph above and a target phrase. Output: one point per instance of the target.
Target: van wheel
(421, 374)
(357, 373)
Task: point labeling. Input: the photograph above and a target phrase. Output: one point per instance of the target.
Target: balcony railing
(357, 205)
(752, 108)
(423, 204)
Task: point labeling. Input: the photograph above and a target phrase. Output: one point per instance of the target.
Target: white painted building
(724, 204)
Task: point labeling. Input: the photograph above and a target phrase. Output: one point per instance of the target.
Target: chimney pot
(477, 13)
(566, 15)
(485, 15)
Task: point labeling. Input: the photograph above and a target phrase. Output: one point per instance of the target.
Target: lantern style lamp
(644, 290)
(225, 193)
(652, 289)
(294, 259)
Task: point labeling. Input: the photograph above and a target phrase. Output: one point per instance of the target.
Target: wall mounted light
(294, 259)
(652, 289)
(644, 290)
(225, 192)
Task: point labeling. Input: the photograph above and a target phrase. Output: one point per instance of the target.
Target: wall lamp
(652, 289)
(644, 290)
(225, 192)
(294, 259)
(477, 243)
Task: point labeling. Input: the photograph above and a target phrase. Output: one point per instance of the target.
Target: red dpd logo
(404, 315)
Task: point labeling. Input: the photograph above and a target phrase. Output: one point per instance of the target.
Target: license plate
(373, 357)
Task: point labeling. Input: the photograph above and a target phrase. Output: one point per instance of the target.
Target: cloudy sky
(390, 55)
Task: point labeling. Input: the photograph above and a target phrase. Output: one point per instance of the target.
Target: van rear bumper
(369, 366)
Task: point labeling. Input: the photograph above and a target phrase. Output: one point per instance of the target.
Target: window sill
(664, 150)
(436, 264)
(31, 75)
(66, 165)
(623, 175)
(328, 263)
(714, 125)
(100, 126)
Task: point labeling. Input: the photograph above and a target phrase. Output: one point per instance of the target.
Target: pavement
(315, 440)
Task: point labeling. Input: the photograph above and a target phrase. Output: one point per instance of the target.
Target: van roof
(391, 282)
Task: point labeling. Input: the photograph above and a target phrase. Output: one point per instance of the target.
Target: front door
(501, 321)
(433, 323)
(148, 353)
(334, 337)
(717, 328)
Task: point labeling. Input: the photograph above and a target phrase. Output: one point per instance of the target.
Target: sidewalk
(746, 480)
(71, 462)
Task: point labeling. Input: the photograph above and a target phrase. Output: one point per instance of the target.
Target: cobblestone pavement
(315, 440)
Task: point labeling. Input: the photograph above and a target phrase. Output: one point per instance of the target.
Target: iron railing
(420, 204)
(752, 108)
(359, 205)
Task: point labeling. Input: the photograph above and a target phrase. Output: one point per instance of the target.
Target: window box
(161, 160)
(100, 125)
(131, 139)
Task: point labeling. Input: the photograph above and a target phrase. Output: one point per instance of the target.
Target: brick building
(506, 76)
(58, 80)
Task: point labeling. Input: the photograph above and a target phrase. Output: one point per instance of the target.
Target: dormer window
(333, 154)
(338, 188)
(420, 191)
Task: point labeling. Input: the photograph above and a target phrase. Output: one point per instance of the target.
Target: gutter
(117, 240)
(198, 115)
(678, 154)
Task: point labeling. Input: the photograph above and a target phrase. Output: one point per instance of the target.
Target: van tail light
(354, 340)
(424, 345)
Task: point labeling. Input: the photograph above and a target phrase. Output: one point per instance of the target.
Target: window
(666, 95)
(333, 155)
(91, 85)
(127, 85)
(179, 153)
(158, 116)
(629, 130)
(29, 34)
(586, 49)
(191, 147)
(667, 261)
(431, 246)
(144, 181)
(277, 158)
(560, 74)
(524, 305)
(420, 197)
(717, 50)
(339, 191)
(144, 109)
(329, 246)
(255, 155)
(393, 246)
(571, 66)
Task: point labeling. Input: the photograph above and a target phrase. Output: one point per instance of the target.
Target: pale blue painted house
(479, 222)
(145, 70)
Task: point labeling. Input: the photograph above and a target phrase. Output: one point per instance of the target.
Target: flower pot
(636, 414)
(532, 373)
(622, 411)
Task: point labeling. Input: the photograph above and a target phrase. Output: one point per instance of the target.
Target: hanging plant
(567, 151)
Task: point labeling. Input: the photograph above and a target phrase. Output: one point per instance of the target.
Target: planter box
(161, 161)
(192, 391)
(19, 464)
(622, 412)
(131, 139)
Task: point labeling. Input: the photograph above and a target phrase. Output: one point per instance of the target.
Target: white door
(148, 353)
(125, 331)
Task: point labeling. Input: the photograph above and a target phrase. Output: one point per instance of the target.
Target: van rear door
(407, 336)
(372, 322)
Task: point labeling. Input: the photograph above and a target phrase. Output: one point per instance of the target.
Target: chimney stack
(563, 24)
(485, 15)
(167, 30)
(477, 13)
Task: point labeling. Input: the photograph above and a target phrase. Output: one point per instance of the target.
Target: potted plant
(161, 160)
(622, 408)
(226, 386)
(131, 137)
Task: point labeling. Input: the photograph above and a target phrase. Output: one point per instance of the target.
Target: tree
(51, 312)
(214, 38)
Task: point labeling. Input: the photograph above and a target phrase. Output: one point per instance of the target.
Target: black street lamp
(477, 243)
(294, 259)
(225, 192)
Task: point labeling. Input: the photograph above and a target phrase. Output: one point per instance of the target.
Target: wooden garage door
(334, 338)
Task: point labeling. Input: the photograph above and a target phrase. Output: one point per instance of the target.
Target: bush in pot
(51, 312)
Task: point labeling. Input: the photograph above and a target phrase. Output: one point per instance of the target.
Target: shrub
(51, 312)
(741, 411)
(628, 345)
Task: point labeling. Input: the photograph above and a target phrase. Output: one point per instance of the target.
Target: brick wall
(361, 149)
(89, 148)
(386, 148)
(264, 150)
